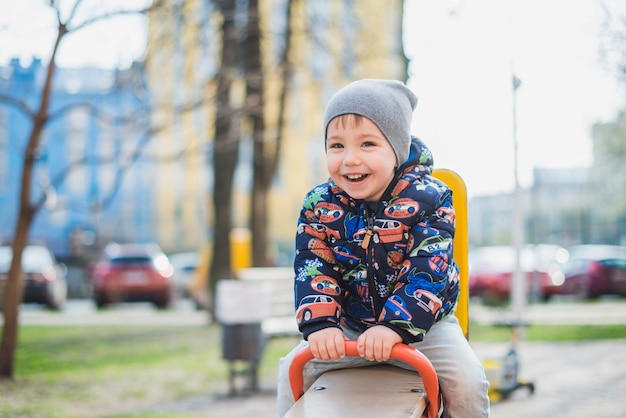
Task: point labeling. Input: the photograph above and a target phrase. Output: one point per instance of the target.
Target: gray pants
(461, 375)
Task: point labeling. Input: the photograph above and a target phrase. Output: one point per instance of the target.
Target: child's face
(359, 158)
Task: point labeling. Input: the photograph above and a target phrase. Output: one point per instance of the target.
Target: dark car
(132, 273)
(595, 270)
(492, 267)
(44, 277)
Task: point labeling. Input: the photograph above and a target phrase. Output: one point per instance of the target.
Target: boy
(374, 251)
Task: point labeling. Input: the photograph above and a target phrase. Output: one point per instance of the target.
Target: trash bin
(241, 307)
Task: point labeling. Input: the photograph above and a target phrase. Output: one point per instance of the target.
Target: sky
(463, 55)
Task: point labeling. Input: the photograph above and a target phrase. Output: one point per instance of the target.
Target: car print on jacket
(320, 249)
(317, 306)
(394, 309)
(432, 245)
(326, 285)
(328, 212)
(402, 208)
(319, 231)
(344, 256)
(388, 230)
(427, 301)
(385, 231)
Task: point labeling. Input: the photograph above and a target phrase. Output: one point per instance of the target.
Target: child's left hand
(376, 343)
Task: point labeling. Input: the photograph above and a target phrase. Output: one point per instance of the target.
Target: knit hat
(387, 103)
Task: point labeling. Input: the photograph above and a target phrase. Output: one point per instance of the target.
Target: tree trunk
(225, 154)
(265, 161)
(27, 211)
(255, 110)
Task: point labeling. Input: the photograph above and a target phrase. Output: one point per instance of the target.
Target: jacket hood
(420, 154)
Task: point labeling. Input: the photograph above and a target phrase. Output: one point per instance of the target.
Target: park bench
(276, 285)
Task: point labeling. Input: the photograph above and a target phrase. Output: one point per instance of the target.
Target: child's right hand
(328, 344)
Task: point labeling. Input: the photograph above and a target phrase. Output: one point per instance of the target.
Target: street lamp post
(518, 288)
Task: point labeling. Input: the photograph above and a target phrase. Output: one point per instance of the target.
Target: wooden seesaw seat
(374, 391)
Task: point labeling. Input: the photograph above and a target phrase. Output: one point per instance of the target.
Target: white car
(44, 278)
(185, 265)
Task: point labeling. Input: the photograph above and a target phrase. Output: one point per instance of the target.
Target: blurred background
(188, 123)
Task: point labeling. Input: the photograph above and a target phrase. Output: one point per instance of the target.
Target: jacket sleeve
(317, 290)
(427, 287)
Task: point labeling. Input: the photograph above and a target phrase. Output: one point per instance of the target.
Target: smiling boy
(383, 206)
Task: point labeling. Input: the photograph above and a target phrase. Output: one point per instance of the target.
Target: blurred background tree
(69, 21)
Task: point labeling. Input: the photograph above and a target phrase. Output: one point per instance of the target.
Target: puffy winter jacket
(388, 263)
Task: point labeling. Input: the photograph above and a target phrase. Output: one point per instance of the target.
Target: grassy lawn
(112, 371)
(108, 371)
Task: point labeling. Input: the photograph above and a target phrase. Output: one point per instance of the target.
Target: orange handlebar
(402, 352)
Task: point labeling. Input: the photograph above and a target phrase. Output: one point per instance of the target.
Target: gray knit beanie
(387, 103)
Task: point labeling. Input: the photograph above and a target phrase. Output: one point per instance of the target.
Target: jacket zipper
(369, 255)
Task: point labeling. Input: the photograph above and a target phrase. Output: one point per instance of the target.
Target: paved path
(573, 380)
(83, 312)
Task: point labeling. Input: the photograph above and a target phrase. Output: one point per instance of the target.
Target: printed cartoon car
(407, 325)
(320, 249)
(328, 212)
(396, 307)
(447, 214)
(314, 229)
(326, 285)
(344, 256)
(402, 208)
(319, 231)
(405, 180)
(427, 301)
(388, 230)
(317, 306)
(395, 259)
(438, 263)
(385, 231)
(358, 281)
(431, 245)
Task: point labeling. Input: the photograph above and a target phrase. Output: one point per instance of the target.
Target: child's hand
(376, 343)
(328, 344)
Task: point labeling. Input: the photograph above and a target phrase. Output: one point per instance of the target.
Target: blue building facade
(92, 165)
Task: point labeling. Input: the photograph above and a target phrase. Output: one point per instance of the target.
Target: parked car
(132, 273)
(491, 271)
(595, 270)
(185, 265)
(44, 277)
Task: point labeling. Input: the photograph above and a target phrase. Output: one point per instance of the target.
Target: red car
(491, 271)
(132, 273)
(595, 270)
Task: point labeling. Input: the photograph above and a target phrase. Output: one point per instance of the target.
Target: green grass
(552, 333)
(120, 372)
(108, 371)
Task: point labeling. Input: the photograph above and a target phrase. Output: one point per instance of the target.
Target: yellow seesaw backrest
(461, 241)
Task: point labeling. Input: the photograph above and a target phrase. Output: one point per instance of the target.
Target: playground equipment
(503, 373)
(344, 393)
(400, 392)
